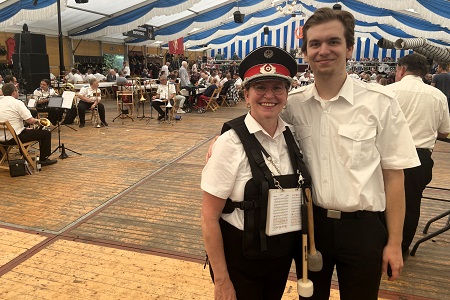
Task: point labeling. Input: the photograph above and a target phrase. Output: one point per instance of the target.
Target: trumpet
(95, 111)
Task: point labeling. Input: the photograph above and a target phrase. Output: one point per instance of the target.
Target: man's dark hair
(8, 89)
(444, 66)
(325, 15)
(8, 79)
(414, 63)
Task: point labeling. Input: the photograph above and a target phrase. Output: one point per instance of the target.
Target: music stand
(123, 113)
(58, 103)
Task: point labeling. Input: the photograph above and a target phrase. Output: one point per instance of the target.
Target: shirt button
(324, 157)
(325, 180)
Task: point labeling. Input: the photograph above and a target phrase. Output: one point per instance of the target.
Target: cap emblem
(268, 69)
(268, 54)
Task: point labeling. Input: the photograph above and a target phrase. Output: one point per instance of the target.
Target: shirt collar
(346, 92)
(253, 126)
(412, 77)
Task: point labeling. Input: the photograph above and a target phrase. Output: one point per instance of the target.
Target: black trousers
(258, 279)
(157, 105)
(355, 247)
(43, 136)
(83, 106)
(416, 179)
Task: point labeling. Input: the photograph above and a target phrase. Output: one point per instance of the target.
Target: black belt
(337, 214)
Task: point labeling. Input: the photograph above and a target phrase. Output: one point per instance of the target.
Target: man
(184, 75)
(179, 99)
(426, 112)
(233, 68)
(111, 77)
(441, 80)
(100, 76)
(126, 70)
(90, 97)
(165, 69)
(88, 76)
(356, 143)
(16, 113)
(164, 94)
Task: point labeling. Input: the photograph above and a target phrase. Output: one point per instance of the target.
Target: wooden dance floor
(122, 221)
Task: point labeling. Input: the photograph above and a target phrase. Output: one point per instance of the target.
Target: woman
(246, 263)
(42, 95)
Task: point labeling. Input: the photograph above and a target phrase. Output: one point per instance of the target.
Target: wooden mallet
(315, 261)
(305, 287)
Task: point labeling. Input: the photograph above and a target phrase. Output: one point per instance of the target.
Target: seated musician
(42, 95)
(164, 93)
(90, 97)
(16, 113)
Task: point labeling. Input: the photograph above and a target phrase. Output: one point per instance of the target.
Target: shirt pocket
(304, 137)
(356, 144)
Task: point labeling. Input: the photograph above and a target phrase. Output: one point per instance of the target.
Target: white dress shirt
(425, 109)
(89, 92)
(228, 169)
(44, 94)
(348, 140)
(164, 91)
(15, 112)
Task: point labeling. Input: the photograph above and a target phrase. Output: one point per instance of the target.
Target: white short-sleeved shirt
(228, 169)
(164, 91)
(41, 93)
(89, 92)
(347, 141)
(15, 112)
(425, 109)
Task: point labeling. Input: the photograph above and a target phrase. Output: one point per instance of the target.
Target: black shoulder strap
(296, 157)
(252, 147)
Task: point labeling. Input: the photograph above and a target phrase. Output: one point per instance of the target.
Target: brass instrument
(141, 87)
(43, 123)
(95, 110)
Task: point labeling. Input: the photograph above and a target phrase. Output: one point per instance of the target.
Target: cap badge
(268, 69)
(268, 54)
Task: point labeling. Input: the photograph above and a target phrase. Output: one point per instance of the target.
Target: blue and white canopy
(209, 24)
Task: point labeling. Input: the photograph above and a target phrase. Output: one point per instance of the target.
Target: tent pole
(62, 68)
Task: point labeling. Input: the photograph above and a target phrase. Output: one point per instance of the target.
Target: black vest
(256, 244)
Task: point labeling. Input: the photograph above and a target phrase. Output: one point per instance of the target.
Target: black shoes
(48, 162)
(105, 124)
(81, 125)
(161, 118)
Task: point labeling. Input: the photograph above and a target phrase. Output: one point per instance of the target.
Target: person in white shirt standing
(426, 112)
(356, 143)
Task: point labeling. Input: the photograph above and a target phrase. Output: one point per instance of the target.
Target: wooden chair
(76, 100)
(6, 148)
(211, 103)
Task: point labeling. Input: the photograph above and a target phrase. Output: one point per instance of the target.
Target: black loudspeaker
(31, 63)
(204, 59)
(238, 17)
(35, 67)
(266, 30)
(32, 81)
(30, 43)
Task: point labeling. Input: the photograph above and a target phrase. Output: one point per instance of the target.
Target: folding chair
(6, 147)
(212, 102)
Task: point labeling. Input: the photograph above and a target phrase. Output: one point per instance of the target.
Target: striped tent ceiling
(210, 22)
